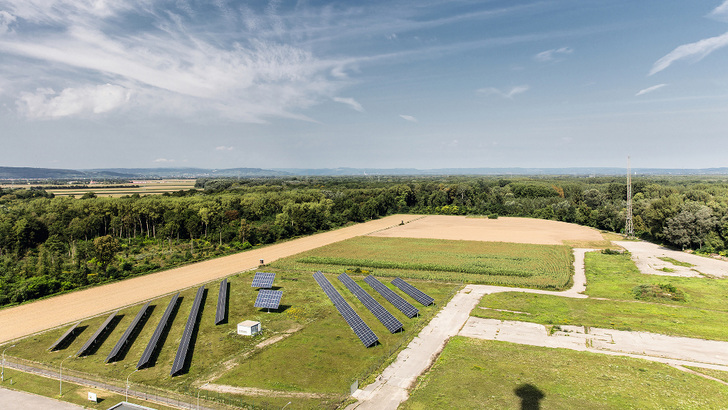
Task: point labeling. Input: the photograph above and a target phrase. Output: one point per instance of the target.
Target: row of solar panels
(365, 334)
(124, 341)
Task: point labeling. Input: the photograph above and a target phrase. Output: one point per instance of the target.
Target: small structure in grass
(249, 328)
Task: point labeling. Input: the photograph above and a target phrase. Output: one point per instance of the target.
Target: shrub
(660, 291)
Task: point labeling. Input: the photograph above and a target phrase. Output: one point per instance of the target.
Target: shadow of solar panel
(413, 292)
(393, 298)
(263, 280)
(221, 302)
(125, 337)
(387, 319)
(184, 344)
(269, 299)
(362, 331)
(163, 322)
(92, 340)
(62, 339)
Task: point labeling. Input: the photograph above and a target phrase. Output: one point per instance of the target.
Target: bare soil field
(516, 230)
(647, 258)
(23, 320)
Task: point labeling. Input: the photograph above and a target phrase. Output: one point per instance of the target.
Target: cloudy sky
(385, 84)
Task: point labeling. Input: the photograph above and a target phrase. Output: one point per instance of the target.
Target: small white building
(248, 328)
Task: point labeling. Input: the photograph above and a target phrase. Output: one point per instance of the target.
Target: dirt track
(23, 320)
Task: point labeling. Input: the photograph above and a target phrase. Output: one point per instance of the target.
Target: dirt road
(23, 320)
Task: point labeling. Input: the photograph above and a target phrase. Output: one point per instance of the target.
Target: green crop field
(494, 263)
(318, 353)
(478, 374)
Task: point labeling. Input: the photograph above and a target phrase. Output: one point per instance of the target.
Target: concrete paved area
(646, 256)
(15, 400)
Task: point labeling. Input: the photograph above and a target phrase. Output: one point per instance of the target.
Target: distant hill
(15, 173)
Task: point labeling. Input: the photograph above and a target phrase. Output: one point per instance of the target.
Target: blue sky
(383, 84)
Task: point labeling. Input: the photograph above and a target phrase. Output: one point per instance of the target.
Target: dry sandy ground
(23, 320)
(516, 230)
(645, 256)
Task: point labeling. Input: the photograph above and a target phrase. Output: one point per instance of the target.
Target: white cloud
(224, 148)
(46, 103)
(163, 160)
(649, 89)
(505, 94)
(720, 12)
(350, 102)
(408, 118)
(694, 51)
(551, 55)
(6, 19)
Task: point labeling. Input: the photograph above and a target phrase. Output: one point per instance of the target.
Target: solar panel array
(221, 302)
(125, 337)
(389, 321)
(184, 344)
(92, 340)
(61, 339)
(263, 280)
(269, 299)
(360, 328)
(393, 298)
(415, 293)
(163, 322)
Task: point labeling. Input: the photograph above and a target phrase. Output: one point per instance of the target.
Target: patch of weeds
(675, 262)
(666, 269)
(665, 291)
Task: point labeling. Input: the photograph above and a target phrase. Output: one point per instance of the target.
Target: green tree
(106, 248)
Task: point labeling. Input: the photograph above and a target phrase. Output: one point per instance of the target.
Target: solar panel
(221, 302)
(393, 298)
(92, 340)
(413, 292)
(269, 299)
(163, 322)
(263, 280)
(363, 332)
(125, 337)
(184, 344)
(61, 339)
(387, 319)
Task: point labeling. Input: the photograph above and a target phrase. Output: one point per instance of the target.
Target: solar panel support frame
(184, 344)
(61, 339)
(154, 340)
(92, 340)
(125, 337)
(221, 302)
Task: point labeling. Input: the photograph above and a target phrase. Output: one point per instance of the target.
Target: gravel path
(646, 256)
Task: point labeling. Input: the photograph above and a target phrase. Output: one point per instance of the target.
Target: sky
(377, 84)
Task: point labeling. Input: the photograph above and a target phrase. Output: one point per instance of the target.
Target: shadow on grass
(191, 348)
(163, 336)
(134, 334)
(70, 338)
(103, 336)
(530, 396)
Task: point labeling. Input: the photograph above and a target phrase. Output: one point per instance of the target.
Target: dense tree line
(52, 244)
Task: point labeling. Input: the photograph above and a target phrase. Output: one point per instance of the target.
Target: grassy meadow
(318, 353)
(477, 374)
(612, 305)
(493, 263)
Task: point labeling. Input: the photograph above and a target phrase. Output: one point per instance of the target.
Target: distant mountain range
(13, 173)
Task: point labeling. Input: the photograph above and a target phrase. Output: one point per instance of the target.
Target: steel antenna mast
(629, 228)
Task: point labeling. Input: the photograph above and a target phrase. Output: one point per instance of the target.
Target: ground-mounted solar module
(221, 302)
(268, 299)
(125, 337)
(184, 344)
(393, 298)
(362, 331)
(163, 323)
(92, 340)
(387, 319)
(263, 280)
(63, 338)
(413, 292)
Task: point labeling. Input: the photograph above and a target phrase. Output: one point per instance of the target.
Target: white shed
(248, 328)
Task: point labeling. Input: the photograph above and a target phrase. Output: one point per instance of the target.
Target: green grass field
(323, 357)
(478, 374)
(495, 263)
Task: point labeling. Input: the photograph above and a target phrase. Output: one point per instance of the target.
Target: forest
(55, 244)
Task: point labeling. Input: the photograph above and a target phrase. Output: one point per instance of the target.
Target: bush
(493, 216)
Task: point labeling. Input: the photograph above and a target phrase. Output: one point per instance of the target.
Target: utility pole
(629, 228)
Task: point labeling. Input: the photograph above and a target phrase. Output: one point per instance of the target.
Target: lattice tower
(629, 228)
